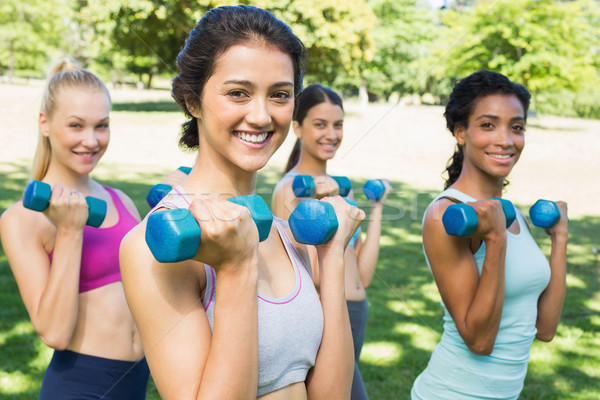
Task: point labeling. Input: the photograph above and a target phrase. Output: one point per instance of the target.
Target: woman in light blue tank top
(241, 319)
(498, 290)
(318, 124)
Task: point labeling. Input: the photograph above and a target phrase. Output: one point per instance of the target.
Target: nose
(259, 114)
(89, 138)
(332, 132)
(504, 137)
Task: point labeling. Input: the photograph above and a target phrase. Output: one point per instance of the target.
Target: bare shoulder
(139, 268)
(23, 223)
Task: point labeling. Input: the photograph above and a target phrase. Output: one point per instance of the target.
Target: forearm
(482, 319)
(552, 298)
(369, 251)
(231, 369)
(56, 314)
(331, 376)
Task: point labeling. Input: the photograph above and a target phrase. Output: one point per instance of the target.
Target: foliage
(30, 32)
(403, 35)
(543, 44)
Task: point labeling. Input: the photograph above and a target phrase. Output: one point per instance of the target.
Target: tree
(30, 31)
(543, 44)
(403, 35)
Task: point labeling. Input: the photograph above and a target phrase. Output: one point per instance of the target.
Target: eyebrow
(495, 117)
(250, 84)
(107, 118)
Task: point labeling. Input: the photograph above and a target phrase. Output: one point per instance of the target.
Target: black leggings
(358, 312)
(78, 376)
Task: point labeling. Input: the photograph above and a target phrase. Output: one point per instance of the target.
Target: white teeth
(247, 137)
(502, 156)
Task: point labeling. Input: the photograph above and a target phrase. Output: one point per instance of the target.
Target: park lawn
(405, 320)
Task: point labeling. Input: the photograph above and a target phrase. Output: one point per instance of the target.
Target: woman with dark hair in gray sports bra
(318, 125)
(242, 318)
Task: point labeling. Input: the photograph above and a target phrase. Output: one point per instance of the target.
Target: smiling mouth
(500, 156)
(86, 154)
(256, 138)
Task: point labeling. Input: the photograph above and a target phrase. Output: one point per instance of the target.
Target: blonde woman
(68, 274)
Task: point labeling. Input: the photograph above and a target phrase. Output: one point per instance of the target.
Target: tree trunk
(149, 82)
(363, 94)
(11, 61)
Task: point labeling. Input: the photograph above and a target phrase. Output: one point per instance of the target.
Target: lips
(329, 146)
(252, 137)
(86, 153)
(500, 156)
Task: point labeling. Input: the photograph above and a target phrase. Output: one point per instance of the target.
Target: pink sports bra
(100, 251)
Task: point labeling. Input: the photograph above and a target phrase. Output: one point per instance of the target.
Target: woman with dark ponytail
(318, 124)
(498, 290)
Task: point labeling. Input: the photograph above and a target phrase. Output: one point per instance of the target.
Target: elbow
(481, 347)
(545, 336)
(57, 341)
(481, 350)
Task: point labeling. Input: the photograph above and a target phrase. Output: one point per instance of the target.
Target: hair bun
(66, 64)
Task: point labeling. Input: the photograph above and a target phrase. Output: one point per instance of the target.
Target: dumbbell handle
(174, 235)
(461, 219)
(304, 185)
(37, 195)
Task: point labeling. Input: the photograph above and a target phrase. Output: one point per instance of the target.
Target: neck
(68, 177)
(309, 165)
(208, 180)
(479, 186)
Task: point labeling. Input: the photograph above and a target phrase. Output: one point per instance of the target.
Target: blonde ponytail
(66, 73)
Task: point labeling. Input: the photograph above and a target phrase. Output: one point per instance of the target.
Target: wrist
(559, 237)
(241, 270)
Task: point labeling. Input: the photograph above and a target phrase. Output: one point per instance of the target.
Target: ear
(192, 104)
(297, 129)
(43, 124)
(459, 134)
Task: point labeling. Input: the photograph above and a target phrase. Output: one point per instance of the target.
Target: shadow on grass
(147, 106)
(405, 317)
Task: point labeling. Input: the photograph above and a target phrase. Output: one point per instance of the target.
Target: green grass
(405, 316)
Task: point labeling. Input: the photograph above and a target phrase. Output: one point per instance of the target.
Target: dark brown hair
(462, 102)
(311, 96)
(216, 32)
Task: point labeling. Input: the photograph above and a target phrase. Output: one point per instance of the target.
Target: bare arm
(331, 377)
(50, 290)
(475, 302)
(368, 251)
(187, 361)
(552, 298)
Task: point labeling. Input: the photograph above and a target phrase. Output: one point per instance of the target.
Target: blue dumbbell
(37, 197)
(314, 222)
(304, 185)
(544, 213)
(461, 219)
(160, 190)
(374, 189)
(174, 235)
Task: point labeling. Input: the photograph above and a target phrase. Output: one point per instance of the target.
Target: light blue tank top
(454, 372)
(290, 328)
